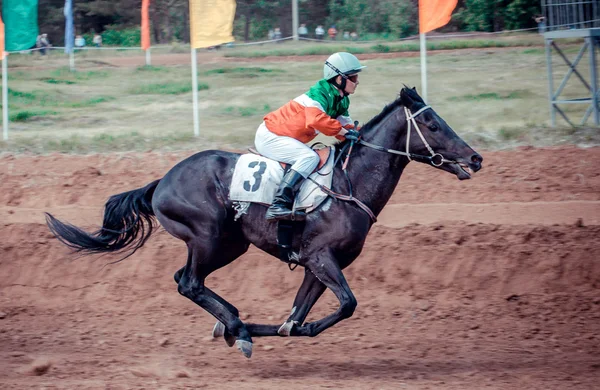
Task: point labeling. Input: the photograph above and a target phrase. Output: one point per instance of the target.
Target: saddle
(256, 180)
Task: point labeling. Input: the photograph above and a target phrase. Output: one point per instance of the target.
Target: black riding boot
(284, 198)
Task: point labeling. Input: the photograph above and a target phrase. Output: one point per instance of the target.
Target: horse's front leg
(326, 269)
(308, 294)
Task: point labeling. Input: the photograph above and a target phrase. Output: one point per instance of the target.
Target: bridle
(436, 159)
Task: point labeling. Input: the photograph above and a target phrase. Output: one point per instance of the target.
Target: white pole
(195, 93)
(423, 68)
(72, 60)
(295, 19)
(148, 62)
(5, 97)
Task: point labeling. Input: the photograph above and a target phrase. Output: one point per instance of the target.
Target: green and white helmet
(341, 63)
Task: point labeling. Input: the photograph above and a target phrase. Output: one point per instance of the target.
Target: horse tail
(128, 222)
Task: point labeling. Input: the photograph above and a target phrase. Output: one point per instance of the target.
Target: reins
(436, 159)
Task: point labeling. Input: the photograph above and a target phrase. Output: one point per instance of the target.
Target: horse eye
(433, 127)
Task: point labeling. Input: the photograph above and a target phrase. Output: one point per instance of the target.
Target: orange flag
(145, 25)
(434, 14)
(1, 39)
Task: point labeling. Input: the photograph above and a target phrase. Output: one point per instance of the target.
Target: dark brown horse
(191, 202)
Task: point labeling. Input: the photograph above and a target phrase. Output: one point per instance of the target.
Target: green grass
(247, 111)
(24, 116)
(166, 88)
(242, 70)
(57, 81)
(66, 74)
(91, 102)
(53, 99)
(534, 51)
(98, 143)
(521, 94)
(153, 69)
(507, 134)
(358, 48)
(491, 98)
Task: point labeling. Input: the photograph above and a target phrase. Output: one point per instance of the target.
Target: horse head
(430, 139)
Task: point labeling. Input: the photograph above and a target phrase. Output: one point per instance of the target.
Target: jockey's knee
(306, 164)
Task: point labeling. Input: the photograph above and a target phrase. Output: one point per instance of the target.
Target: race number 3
(262, 167)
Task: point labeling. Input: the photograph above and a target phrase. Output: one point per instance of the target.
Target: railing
(569, 14)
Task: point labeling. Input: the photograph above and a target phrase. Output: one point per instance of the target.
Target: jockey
(323, 109)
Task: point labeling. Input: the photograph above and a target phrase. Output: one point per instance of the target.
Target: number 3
(262, 167)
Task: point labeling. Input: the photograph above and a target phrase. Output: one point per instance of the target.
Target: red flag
(145, 25)
(434, 14)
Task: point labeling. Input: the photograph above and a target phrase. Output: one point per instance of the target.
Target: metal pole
(594, 80)
(4, 97)
(195, 93)
(295, 19)
(148, 62)
(423, 68)
(550, 82)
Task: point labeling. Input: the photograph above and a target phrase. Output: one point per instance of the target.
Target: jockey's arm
(318, 120)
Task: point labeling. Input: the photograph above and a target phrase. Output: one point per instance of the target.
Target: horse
(191, 203)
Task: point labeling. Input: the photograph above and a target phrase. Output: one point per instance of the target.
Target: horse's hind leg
(202, 260)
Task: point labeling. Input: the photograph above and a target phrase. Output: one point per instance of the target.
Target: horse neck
(374, 174)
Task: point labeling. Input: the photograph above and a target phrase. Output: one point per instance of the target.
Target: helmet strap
(342, 86)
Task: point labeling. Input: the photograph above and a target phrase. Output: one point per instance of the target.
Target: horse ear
(405, 98)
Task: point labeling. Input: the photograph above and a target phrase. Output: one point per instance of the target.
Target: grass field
(493, 98)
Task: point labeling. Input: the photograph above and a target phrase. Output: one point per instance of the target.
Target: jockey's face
(351, 83)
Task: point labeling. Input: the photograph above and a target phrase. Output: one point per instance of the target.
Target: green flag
(21, 25)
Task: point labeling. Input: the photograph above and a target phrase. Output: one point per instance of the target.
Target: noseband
(436, 159)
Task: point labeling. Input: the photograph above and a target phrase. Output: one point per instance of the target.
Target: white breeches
(304, 160)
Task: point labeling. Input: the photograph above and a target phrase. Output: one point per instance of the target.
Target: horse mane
(412, 94)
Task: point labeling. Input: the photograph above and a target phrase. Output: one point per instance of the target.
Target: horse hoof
(219, 330)
(245, 347)
(229, 339)
(285, 330)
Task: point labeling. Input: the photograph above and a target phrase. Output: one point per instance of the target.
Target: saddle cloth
(257, 178)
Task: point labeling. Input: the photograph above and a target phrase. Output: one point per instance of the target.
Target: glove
(352, 135)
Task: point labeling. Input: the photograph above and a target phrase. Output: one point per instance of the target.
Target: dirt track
(489, 283)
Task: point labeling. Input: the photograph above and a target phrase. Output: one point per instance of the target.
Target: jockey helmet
(341, 63)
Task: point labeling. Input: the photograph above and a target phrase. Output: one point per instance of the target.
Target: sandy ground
(488, 283)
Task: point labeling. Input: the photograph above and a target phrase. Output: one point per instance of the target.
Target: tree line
(254, 18)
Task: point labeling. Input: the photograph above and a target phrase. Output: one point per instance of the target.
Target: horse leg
(327, 270)
(308, 294)
(321, 274)
(201, 262)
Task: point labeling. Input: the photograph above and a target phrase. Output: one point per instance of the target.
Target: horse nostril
(476, 158)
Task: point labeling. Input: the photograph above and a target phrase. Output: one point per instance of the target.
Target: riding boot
(284, 198)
